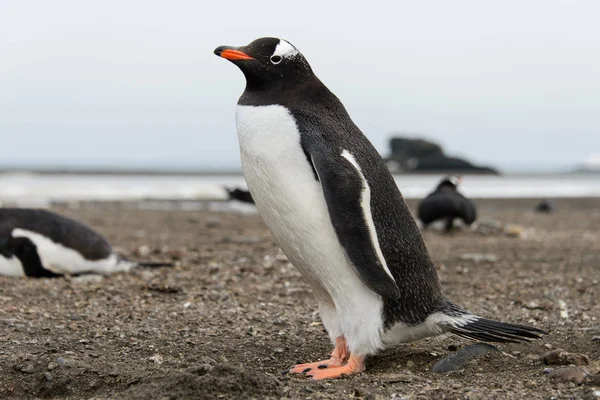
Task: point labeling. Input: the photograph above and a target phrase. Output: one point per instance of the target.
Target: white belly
(288, 196)
(293, 206)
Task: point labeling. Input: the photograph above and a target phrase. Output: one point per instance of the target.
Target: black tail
(154, 264)
(493, 331)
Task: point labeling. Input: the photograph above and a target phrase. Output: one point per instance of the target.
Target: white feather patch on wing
(62, 260)
(365, 204)
(11, 266)
(285, 49)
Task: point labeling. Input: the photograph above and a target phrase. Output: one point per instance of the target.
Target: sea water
(41, 189)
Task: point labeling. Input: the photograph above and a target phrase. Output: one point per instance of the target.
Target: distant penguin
(240, 195)
(545, 206)
(39, 243)
(445, 203)
(335, 211)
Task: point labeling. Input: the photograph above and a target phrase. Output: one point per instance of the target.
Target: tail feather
(493, 331)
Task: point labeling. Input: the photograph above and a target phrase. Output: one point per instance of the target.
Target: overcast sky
(510, 83)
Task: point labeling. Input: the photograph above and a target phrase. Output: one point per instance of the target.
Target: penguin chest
(288, 196)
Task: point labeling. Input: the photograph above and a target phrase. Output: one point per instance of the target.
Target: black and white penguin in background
(240, 195)
(39, 243)
(335, 211)
(447, 204)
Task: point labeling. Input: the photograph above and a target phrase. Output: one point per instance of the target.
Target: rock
(561, 357)
(410, 364)
(52, 365)
(157, 359)
(48, 376)
(420, 155)
(200, 369)
(61, 361)
(596, 339)
(569, 374)
(462, 357)
(143, 251)
(478, 257)
(547, 370)
(28, 368)
(453, 347)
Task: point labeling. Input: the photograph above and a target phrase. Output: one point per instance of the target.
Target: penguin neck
(281, 92)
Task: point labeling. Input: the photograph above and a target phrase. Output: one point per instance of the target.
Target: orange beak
(230, 54)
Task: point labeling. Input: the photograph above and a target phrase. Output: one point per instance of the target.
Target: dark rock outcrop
(424, 156)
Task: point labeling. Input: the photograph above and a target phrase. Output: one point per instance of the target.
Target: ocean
(30, 189)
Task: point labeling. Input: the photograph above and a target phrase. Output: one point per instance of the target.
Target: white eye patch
(284, 49)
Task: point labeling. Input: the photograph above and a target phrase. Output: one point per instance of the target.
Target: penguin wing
(348, 199)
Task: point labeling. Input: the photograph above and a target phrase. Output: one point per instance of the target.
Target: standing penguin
(335, 211)
(39, 243)
(446, 203)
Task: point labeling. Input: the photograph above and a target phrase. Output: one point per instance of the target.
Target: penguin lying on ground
(240, 195)
(39, 243)
(335, 211)
(445, 203)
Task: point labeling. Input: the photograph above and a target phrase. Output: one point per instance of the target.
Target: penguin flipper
(347, 194)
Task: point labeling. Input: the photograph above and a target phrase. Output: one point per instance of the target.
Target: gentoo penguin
(445, 203)
(39, 243)
(240, 194)
(545, 206)
(335, 211)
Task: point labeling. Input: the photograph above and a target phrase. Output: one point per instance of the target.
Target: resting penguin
(445, 203)
(335, 211)
(240, 194)
(39, 243)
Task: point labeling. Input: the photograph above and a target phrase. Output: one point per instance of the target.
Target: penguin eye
(275, 59)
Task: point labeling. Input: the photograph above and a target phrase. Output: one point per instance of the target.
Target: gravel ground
(233, 313)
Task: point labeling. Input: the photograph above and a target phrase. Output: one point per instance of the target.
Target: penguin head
(268, 63)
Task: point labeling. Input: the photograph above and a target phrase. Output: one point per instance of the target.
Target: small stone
(410, 364)
(207, 360)
(143, 251)
(596, 339)
(157, 359)
(28, 368)
(61, 361)
(568, 374)
(453, 347)
(548, 345)
(200, 369)
(52, 365)
(48, 376)
(278, 350)
(561, 357)
(547, 370)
